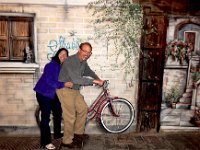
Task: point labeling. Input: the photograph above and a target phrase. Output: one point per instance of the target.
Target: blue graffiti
(62, 42)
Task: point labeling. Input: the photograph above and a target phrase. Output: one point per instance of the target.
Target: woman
(48, 100)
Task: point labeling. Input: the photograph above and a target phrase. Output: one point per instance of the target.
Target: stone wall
(174, 77)
(17, 98)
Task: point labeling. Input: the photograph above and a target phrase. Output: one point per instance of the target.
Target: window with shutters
(16, 39)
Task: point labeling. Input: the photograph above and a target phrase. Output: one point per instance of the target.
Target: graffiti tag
(71, 44)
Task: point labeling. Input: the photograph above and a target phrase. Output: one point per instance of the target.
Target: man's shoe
(81, 137)
(72, 145)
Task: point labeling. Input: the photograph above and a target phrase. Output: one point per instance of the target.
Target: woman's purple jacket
(48, 82)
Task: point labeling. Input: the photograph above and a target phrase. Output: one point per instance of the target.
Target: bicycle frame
(103, 98)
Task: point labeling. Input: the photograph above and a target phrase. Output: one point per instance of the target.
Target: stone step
(189, 95)
(190, 86)
(185, 100)
(189, 90)
(180, 105)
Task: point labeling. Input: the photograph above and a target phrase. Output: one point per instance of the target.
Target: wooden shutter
(4, 51)
(20, 38)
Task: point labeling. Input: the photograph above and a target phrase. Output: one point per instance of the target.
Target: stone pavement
(129, 141)
(176, 117)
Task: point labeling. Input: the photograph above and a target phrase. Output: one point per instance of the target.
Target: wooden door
(151, 71)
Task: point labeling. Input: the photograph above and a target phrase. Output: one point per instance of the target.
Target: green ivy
(119, 22)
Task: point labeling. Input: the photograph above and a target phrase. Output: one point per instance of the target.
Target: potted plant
(172, 96)
(197, 116)
(179, 50)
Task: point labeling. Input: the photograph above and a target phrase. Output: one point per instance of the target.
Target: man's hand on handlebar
(98, 82)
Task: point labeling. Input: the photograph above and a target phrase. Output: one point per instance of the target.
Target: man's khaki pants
(74, 113)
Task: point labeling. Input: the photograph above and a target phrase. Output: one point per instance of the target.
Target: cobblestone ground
(131, 141)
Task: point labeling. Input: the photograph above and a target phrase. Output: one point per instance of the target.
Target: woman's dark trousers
(46, 106)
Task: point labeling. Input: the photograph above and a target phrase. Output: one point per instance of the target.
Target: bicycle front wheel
(117, 116)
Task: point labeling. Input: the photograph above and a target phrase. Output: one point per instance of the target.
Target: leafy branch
(119, 22)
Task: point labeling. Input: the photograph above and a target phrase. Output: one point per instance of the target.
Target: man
(75, 69)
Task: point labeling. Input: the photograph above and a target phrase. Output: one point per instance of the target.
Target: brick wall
(17, 99)
(49, 2)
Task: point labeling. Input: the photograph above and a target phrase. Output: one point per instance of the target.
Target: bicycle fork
(112, 108)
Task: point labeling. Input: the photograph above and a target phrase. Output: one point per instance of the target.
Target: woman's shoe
(50, 146)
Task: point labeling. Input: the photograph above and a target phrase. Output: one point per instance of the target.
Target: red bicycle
(114, 113)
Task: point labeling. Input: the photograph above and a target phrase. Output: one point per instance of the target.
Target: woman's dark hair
(56, 58)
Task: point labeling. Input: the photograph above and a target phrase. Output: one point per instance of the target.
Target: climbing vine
(119, 22)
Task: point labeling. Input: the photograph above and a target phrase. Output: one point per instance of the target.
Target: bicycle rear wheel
(117, 124)
(38, 120)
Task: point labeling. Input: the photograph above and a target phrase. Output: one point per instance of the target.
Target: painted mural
(181, 91)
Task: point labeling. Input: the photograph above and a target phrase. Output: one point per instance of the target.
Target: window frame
(10, 18)
(21, 67)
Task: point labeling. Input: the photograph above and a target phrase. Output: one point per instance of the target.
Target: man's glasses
(89, 53)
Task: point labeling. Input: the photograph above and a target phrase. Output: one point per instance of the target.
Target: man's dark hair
(56, 58)
(85, 43)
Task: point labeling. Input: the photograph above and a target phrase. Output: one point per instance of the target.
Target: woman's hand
(68, 84)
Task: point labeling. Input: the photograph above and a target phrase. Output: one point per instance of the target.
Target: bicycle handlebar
(105, 84)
